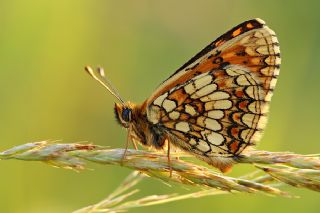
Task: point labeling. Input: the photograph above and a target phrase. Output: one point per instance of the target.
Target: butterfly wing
(217, 102)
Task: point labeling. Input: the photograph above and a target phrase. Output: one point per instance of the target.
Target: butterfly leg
(134, 145)
(126, 148)
(169, 159)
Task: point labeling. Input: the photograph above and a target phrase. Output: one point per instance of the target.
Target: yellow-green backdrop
(45, 93)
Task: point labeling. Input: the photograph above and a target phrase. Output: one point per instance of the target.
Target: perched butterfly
(214, 106)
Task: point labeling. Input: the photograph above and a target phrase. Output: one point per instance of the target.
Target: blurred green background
(45, 94)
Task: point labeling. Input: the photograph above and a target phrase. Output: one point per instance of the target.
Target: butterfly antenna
(100, 76)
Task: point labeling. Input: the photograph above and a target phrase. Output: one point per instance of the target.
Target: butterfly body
(214, 106)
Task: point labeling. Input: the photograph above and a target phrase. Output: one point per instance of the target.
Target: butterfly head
(123, 110)
(123, 113)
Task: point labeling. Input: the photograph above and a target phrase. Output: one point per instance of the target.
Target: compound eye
(126, 114)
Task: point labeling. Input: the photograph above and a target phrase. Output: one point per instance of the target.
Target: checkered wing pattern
(216, 103)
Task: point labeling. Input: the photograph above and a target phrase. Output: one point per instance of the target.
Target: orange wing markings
(179, 96)
(219, 43)
(234, 146)
(237, 32)
(249, 25)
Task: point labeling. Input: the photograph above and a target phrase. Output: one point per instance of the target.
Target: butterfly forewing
(217, 102)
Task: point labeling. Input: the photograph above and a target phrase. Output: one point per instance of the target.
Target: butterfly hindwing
(219, 113)
(217, 102)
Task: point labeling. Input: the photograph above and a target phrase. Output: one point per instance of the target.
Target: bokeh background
(45, 94)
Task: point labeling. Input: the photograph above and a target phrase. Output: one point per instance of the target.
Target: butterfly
(214, 106)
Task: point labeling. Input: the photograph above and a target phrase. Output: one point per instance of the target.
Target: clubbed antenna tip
(99, 75)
